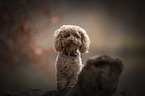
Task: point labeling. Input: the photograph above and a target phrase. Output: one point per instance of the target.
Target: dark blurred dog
(99, 77)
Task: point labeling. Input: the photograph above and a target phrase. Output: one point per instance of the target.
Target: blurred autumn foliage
(17, 36)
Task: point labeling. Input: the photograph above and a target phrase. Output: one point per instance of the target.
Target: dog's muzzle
(71, 53)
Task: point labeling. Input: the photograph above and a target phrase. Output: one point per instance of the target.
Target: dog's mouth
(71, 47)
(70, 53)
(71, 44)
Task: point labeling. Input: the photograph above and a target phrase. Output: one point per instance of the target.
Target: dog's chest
(69, 64)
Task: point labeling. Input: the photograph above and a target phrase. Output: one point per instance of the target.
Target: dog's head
(71, 37)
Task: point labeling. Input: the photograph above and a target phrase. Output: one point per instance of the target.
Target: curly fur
(70, 41)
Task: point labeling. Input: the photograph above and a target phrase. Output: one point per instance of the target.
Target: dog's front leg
(73, 80)
(61, 82)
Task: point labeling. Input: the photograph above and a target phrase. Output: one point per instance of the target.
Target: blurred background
(27, 56)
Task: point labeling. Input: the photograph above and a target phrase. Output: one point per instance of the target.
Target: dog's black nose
(71, 40)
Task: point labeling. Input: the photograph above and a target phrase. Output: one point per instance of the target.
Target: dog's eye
(68, 35)
(75, 35)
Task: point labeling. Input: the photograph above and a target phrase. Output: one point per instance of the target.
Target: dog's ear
(57, 41)
(85, 42)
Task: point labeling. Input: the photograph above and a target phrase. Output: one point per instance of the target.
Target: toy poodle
(70, 41)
